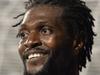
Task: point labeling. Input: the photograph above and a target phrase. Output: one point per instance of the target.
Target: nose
(32, 41)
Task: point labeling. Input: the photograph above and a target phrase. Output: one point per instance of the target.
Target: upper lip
(32, 51)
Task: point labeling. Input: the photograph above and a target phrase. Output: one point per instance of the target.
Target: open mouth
(36, 56)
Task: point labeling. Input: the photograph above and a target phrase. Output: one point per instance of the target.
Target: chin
(36, 62)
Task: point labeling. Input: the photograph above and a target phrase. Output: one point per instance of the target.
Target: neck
(72, 70)
(66, 68)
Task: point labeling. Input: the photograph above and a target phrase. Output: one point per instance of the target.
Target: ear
(77, 46)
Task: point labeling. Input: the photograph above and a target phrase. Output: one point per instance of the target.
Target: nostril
(35, 44)
(32, 44)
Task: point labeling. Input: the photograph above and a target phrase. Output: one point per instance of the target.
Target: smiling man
(56, 37)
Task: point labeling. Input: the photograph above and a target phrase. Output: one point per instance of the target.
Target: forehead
(42, 12)
(48, 9)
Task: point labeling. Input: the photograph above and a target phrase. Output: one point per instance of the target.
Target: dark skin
(45, 39)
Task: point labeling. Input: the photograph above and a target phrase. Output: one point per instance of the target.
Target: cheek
(51, 42)
(21, 49)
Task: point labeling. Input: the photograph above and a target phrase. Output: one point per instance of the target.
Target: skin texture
(43, 31)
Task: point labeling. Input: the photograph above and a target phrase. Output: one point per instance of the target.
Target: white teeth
(34, 55)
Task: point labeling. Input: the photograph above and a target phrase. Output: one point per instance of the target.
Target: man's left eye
(46, 31)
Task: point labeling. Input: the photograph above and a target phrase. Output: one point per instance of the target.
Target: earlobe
(77, 45)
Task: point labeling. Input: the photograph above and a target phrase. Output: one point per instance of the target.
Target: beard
(57, 62)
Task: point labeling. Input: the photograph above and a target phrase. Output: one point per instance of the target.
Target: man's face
(43, 36)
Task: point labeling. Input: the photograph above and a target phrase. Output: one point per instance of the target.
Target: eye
(46, 31)
(22, 35)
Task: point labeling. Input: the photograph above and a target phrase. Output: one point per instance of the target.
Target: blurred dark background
(10, 63)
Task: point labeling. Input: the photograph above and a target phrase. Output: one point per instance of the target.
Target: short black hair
(79, 16)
